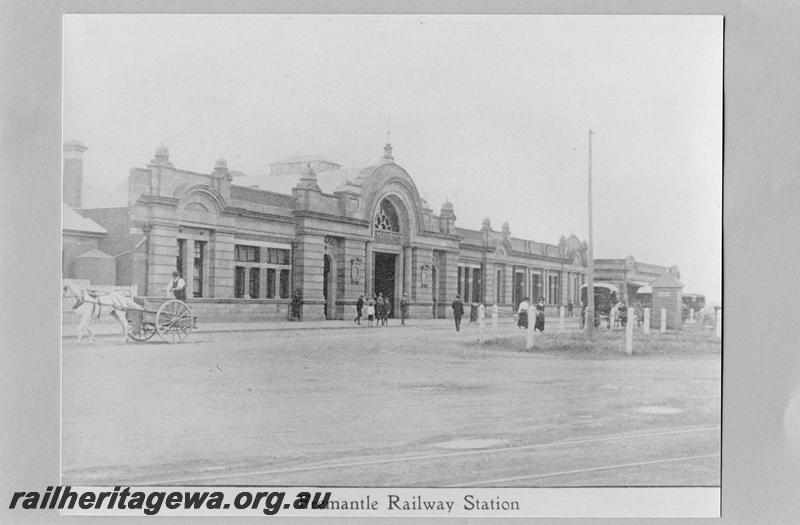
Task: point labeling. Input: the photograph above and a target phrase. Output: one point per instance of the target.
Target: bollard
(663, 320)
(719, 322)
(481, 320)
(629, 333)
(646, 324)
(494, 321)
(531, 325)
(560, 319)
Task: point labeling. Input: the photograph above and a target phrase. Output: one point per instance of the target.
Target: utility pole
(590, 269)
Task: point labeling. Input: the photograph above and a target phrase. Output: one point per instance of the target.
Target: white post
(719, 322)
(494, 321)
(481, 320)
(691, 316)
(646, 324)
(560, 319)
(531, 325)
(629, 333)
(663, 320)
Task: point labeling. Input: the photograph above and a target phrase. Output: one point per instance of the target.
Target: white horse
(90, 303)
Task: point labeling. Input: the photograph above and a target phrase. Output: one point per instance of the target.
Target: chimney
(73, 172)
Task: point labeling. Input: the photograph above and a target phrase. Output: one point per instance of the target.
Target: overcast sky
(491, 112)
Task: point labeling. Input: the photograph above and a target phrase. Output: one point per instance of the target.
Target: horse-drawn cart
(172, 321)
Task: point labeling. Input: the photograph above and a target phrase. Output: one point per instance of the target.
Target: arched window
(386, 218)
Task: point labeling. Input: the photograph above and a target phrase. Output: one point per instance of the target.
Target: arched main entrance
(386, 282)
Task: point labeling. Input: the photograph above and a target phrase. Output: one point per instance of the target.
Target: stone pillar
(308, 267)
(407, 271)
(466, 278)
(355, 275)
(494, 321)
(531, 327)
(421, 299)
(221, 266)
(508, 286)
(450, 281)
(489, 283)
(368, 269)
(162, 250)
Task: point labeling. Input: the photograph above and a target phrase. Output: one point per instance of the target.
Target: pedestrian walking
(539, 315)
(458, 311)
(387, 309)
(359, 308)
(297, 306)
(522, 314)
(569, 308)
(403, 309)
(379, 304)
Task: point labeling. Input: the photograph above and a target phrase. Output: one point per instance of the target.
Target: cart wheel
(146, 330)
(173, 321)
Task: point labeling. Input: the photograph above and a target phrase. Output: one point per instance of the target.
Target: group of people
(522, 314)
(378, 309)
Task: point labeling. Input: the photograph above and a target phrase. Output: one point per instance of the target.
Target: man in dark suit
(359, 308)
(458, 311)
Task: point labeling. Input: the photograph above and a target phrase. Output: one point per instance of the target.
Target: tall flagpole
(590, 269)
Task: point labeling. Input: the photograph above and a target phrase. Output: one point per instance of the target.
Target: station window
(197, 277)
(553, 289)
(258, 264)
(246, 253)
(477, 285)
(254, 274)
(284, 284)
(238, 287)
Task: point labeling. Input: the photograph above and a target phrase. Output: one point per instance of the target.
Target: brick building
(244, 251)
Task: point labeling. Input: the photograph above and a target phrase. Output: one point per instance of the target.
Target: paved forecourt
(398, 406)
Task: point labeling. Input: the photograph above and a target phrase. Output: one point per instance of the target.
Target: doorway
(326, 280)
(385, 266)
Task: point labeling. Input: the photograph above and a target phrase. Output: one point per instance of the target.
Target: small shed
(667, 295)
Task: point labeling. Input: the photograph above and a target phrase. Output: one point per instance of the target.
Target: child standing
(370, 313)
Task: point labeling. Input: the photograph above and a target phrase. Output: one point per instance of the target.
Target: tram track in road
(483, 457)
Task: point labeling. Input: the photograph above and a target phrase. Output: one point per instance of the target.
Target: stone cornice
(330, 217)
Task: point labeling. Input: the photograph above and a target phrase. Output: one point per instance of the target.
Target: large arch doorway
(385, 278)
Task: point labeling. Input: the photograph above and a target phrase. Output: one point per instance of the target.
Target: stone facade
(244, 252)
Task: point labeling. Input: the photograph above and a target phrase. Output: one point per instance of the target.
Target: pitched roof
(666, 280)
(72, 220)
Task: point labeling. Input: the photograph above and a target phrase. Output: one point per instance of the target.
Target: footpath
(113, 330)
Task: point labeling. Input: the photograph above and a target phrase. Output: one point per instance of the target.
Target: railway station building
(245, 251)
